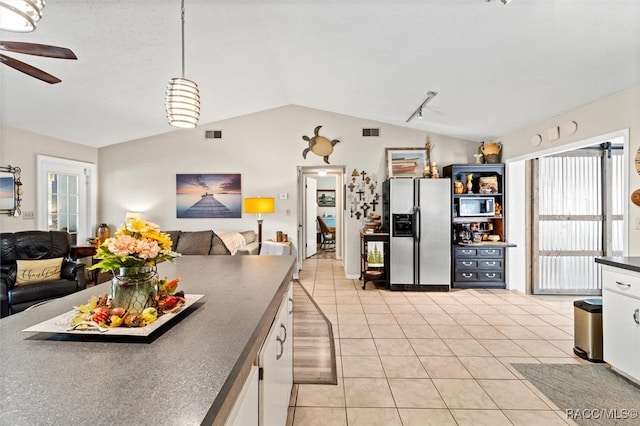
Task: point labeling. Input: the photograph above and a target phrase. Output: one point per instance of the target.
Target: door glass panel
(63, 209)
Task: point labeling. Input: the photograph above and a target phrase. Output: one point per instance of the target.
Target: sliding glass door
(577, 215)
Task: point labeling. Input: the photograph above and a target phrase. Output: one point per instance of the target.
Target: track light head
(418, 112)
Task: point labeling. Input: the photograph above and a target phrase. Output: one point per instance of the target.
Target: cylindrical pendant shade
(183, 103)
(259, 205)
(20, 16)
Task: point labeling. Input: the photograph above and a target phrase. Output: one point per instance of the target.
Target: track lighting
(418, 112)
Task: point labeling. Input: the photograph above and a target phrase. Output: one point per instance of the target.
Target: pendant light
(183, 98)
(20, 16)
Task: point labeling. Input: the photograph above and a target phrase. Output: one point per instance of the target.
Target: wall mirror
(10, 190)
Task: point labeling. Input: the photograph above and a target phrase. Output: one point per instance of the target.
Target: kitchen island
(189, 372)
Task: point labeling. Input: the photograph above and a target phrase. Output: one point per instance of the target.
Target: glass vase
(134, 288)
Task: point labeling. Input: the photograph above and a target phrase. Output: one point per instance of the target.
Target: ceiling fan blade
(29, 70)
(37, 49)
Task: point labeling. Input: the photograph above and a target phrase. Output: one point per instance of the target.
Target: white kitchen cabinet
(276, 362)
(264, 398)
(245, 411)
(621, 320)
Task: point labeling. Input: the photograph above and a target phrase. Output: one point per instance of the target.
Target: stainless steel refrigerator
(417, 215)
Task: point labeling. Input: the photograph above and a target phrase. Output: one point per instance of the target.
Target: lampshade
(259, 205)
(182, 100)
(183, 103)
(133, 215)
(20, 16)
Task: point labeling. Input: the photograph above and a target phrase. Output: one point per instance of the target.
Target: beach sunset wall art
(208, 196)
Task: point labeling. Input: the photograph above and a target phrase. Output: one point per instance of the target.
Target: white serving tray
(62, 323)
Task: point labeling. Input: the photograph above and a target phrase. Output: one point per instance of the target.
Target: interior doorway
(320, 193)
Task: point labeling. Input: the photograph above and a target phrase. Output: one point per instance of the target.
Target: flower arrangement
(135, 244)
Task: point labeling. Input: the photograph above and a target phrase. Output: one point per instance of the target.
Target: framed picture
(326, 197)
(375, 254)
(7, 192)
(405, 162)
(208, 196)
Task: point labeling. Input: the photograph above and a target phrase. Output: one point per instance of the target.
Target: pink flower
(123, 245)
(147, 249)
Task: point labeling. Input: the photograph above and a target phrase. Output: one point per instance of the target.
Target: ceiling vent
(370, 132)
(213, 134)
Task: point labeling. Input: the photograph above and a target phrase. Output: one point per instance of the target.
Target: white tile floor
(417, 358)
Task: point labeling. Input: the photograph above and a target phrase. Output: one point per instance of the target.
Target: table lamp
(259, 205)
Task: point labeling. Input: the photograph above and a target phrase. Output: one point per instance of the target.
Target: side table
(78, 251)
(276, 248)
(374, 258)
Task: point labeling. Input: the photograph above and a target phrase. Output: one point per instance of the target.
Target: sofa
(209, 242)
(35, 267)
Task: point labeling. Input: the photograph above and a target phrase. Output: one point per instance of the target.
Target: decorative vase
(102, 233)
(491, 151)
(458, 187)
(134, 288)
(470, 183)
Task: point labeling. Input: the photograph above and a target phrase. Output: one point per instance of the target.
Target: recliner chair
(35, 245)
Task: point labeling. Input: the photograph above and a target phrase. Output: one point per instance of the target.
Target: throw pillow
(37, 271)
(196, 242)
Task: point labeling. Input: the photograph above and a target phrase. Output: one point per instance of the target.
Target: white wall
(266, 149)
(19, 149)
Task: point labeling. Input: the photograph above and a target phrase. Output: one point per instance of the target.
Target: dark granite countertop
(629, 263)
(187, 373)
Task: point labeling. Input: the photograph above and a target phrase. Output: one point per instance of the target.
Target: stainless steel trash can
(587, 329)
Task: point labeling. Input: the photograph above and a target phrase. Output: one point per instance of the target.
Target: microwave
(476, 206)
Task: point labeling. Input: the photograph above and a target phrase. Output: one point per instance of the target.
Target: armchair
(36, 245)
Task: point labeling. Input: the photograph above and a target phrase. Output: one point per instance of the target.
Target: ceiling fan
(36, 50)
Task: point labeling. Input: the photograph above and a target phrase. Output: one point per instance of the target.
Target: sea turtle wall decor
(319, 145)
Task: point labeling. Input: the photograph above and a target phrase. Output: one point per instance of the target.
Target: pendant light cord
(182, 17)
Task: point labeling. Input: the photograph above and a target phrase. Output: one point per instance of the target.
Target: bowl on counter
(493, 238)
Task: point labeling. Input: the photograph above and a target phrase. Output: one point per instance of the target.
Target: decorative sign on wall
(208, 196)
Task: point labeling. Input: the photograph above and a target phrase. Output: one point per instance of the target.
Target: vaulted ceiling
(496, 67)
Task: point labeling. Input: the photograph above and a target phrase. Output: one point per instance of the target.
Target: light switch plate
(30, 215)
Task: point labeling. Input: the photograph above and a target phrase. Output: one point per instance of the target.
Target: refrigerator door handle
(417, 224)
